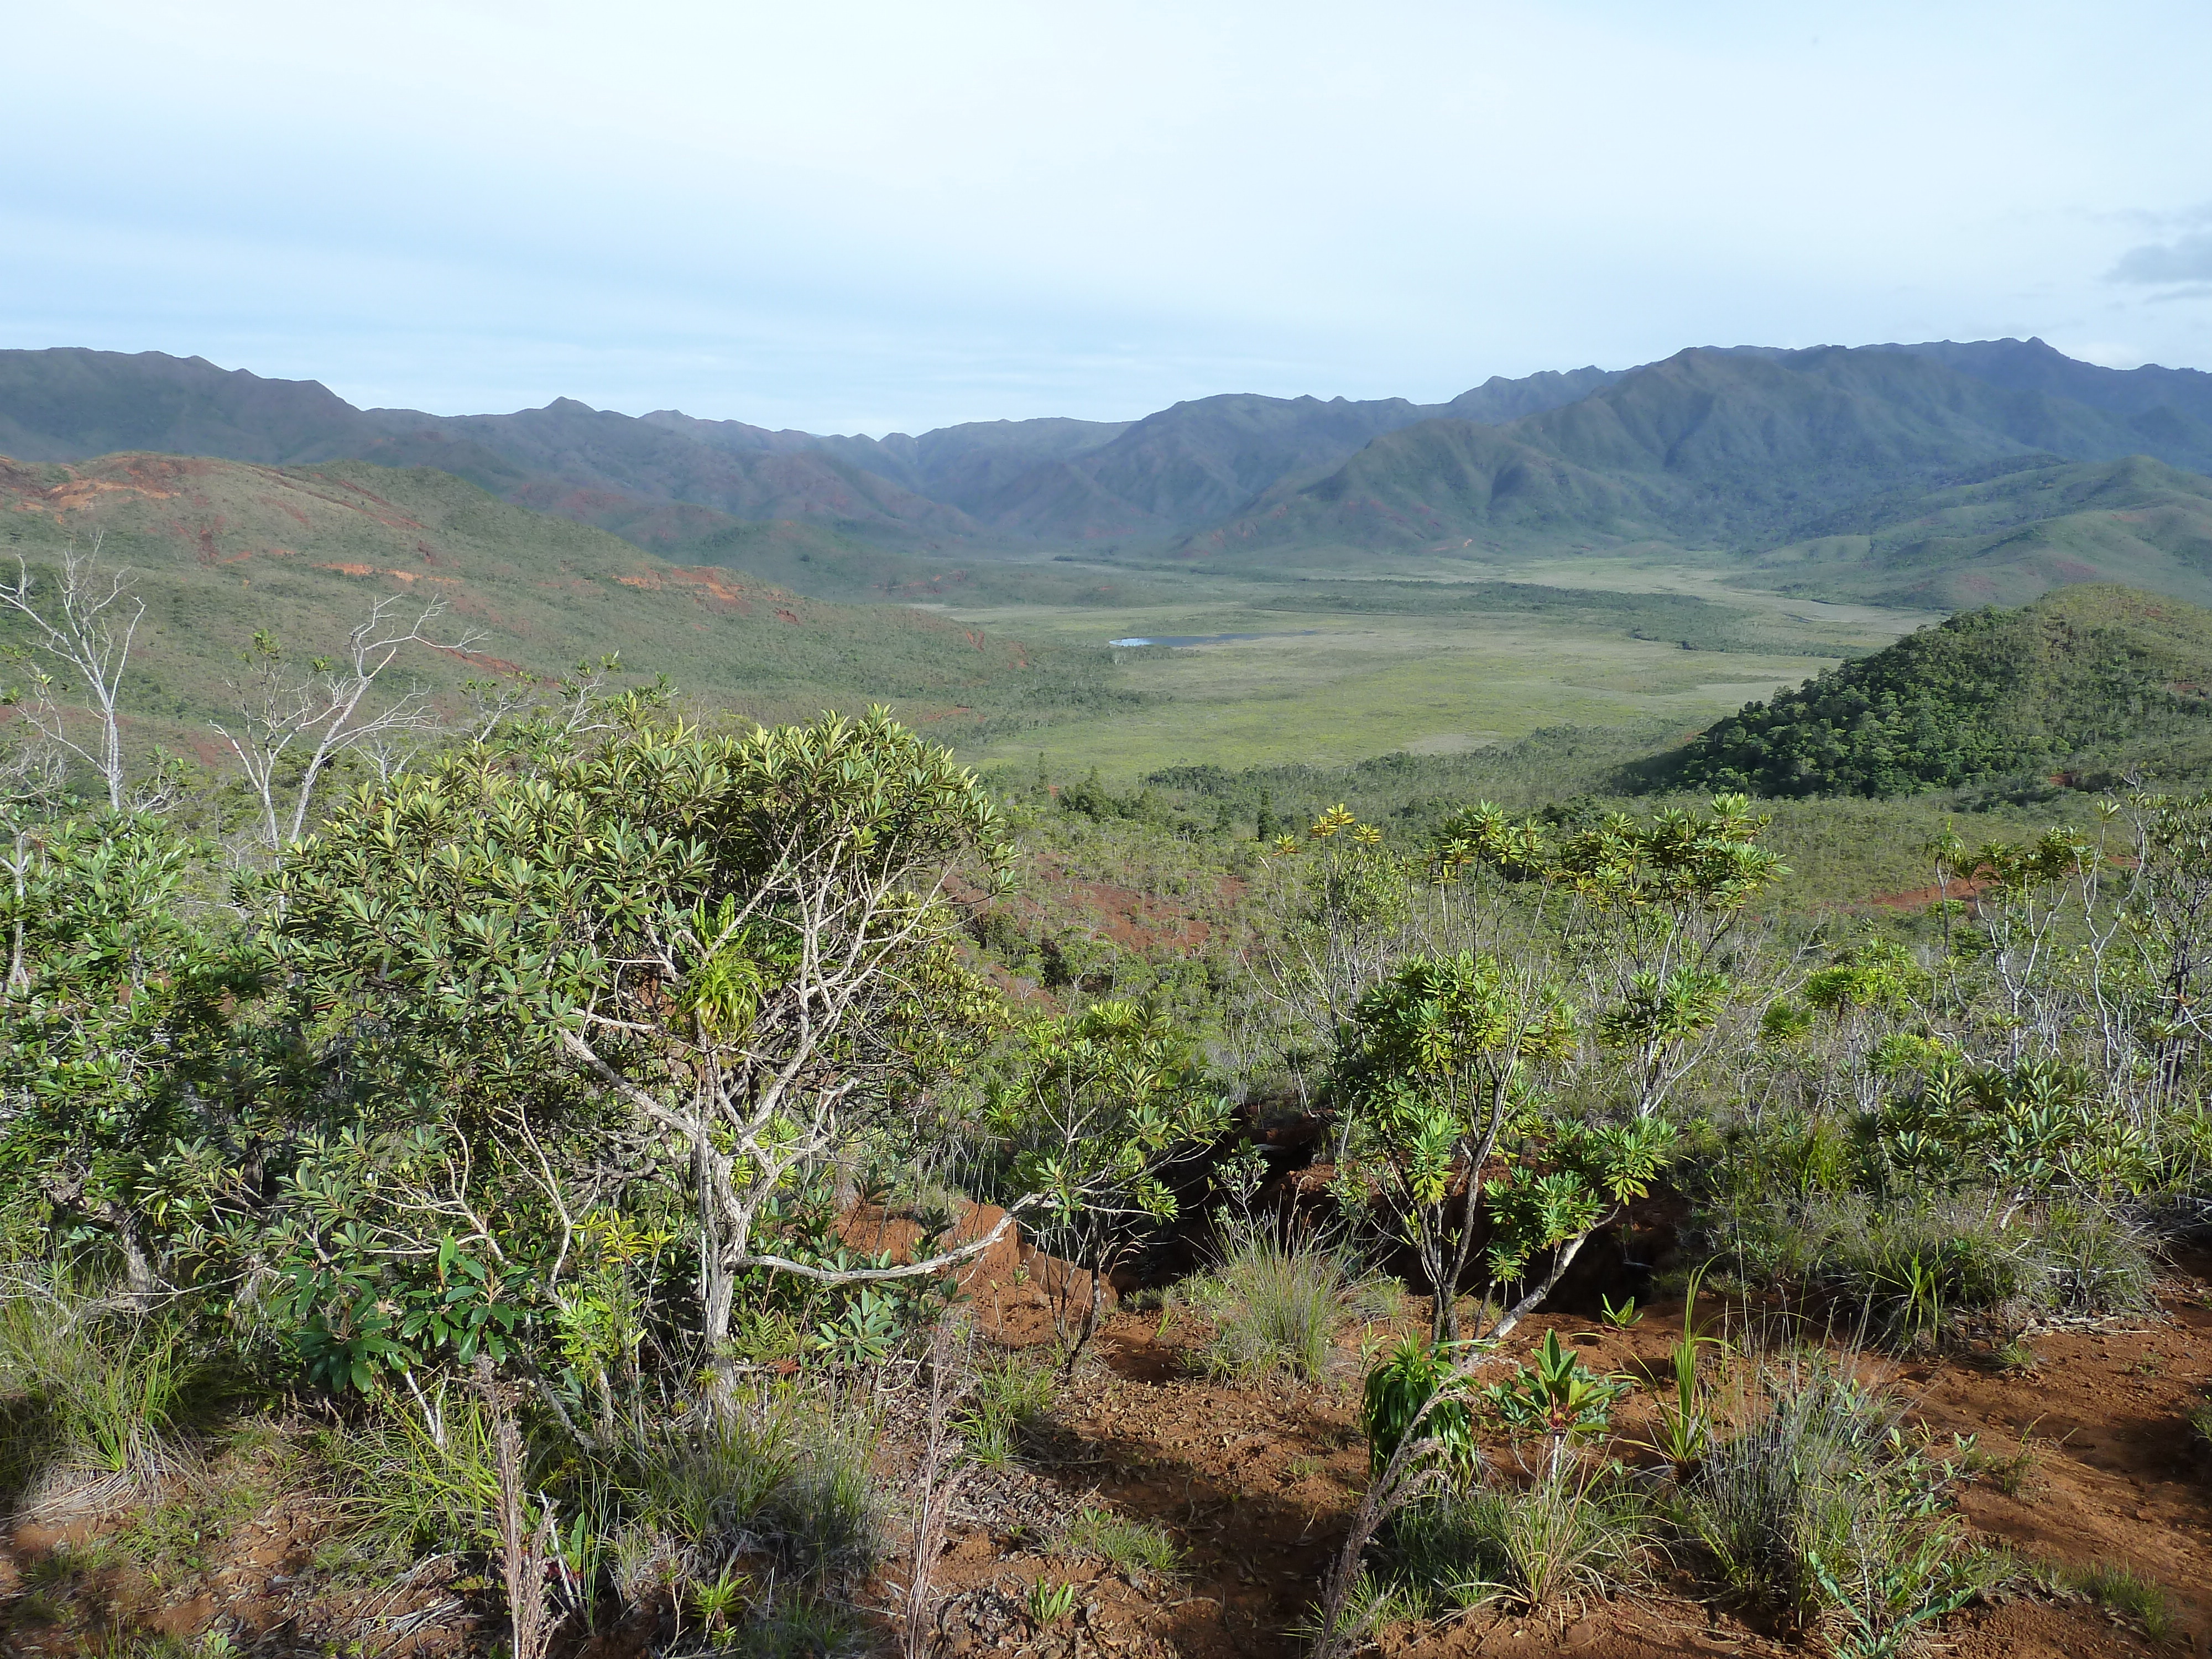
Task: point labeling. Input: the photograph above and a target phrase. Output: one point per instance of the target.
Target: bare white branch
(88, 632)
(311, 719)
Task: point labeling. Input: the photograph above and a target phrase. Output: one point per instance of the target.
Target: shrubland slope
(221, 548)
(977, 483)
(2093, 670)
(2007, 538)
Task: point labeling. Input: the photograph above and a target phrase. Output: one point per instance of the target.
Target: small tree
(722, 940)
(1440, 1065)
(1346, 903)
(1445, 1073)
(1100, 1107)
(88, 630)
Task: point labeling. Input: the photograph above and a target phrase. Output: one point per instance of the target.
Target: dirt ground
(1256, 1484)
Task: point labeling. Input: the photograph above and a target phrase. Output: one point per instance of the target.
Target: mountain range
(665, 479)
(1936, 473)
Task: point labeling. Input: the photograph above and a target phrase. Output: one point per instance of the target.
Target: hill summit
(1986, 693)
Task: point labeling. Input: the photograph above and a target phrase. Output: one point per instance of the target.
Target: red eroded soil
(1919, 898)
(1133, 919)
(1256, 1484)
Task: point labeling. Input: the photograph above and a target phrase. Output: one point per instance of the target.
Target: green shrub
(1912, 1270)
(1818, 1509)
(1398, 1389)
(1277, 1309)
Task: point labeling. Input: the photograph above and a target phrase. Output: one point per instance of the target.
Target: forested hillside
(2109, 676)
(1736, 449)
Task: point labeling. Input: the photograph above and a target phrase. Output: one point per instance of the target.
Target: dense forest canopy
(2086, 671)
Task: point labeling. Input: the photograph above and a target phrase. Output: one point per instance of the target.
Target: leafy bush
(1555, 1397)
(1397, 1390)
(1279, 1308)
(1577, 1526)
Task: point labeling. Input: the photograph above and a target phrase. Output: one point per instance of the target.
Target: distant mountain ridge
(1056, 480)
(1731, 448)
(1817, 463)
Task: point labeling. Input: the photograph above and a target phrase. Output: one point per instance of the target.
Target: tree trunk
(1528, 1303)
(1090, 1315)
(140, 1283)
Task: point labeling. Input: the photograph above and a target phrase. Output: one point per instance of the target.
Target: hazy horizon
(887, 220)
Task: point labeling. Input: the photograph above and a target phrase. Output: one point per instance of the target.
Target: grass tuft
(96, 1401)
(1008, 1403)
(1577, 1530)
(1131, 1546)
(1277, 1309)
(1818, 1508)
(2126, 1592)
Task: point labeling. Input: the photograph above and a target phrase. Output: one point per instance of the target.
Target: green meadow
(1472, 656)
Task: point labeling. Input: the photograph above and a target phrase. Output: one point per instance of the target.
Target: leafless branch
(313, 719)
(89, 634)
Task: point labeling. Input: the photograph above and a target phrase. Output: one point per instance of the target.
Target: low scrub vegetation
(1282, 1308)
(602, 1154)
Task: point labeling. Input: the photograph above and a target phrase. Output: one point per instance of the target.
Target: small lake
(1211, 638)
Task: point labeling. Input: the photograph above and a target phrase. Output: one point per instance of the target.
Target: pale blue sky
(865, 216)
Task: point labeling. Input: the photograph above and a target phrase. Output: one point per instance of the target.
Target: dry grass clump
(1279, 1308)
(1577, 1530)
(96, 1399)
(1818, 1507)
